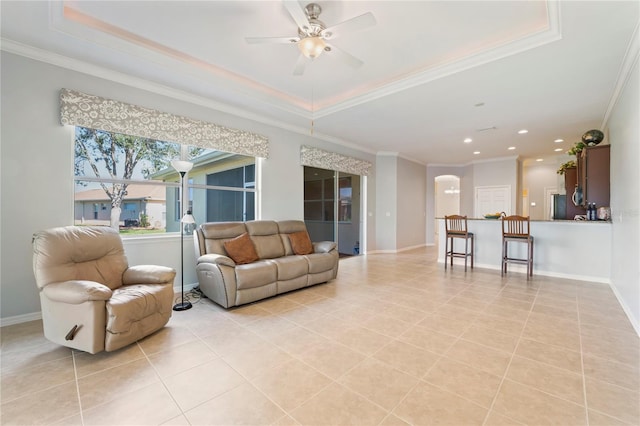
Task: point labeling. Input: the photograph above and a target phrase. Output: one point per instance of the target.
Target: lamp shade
(311, 47)
(182, 166)
(188, 218)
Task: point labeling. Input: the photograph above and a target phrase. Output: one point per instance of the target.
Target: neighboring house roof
(134, 192)
(204, 161)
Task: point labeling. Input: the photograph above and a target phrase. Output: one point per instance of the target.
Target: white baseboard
(18, 319)
(523, 269)
(396, 250)
(187, 287)
(634, 321)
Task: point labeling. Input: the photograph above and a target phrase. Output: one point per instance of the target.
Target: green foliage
(577, 148)
(565, 166)
(144, 220)
(141, 231)
(116, 156)
(194, 152)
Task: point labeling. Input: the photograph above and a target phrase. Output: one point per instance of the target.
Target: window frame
(190, 186)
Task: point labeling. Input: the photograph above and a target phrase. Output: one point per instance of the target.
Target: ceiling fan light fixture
(311, 47)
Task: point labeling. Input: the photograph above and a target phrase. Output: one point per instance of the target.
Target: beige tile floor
(394, 340)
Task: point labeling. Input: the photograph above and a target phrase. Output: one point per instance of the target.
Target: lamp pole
(182, 167)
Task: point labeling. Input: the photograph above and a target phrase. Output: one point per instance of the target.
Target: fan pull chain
(312, 108)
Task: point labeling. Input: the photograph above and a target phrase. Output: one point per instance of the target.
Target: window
(178, 201)
(319, 197)
(225, 205)
(137, 189)
(345, 192)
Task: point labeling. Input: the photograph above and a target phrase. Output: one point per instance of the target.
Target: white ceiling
(434, 73)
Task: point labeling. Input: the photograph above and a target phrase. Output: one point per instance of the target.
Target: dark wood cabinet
(593, 175)
(570, 183)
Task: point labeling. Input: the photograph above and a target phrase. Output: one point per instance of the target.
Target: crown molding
(471, 163)
(495, 160)
(434, 165)
(51, 58)
(551, 34)
(66, 62)
(630, 59)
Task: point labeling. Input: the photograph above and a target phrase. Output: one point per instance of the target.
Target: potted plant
(565, 166)
(577, 148)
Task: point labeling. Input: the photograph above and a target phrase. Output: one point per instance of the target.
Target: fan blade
(350, 25)
(345, 57)
(280, 40)
(301, 63)
(298, 14)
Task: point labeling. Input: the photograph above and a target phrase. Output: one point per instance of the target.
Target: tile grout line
(75, 373)
(421, 379)
(506, 371)
(584, 377)
(253, 385)
(164, 385)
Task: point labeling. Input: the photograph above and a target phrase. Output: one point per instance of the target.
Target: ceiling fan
(314, 36)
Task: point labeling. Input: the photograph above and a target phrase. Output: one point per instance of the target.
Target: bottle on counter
(592, 212)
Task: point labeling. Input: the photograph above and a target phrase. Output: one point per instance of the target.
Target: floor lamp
(183, 167)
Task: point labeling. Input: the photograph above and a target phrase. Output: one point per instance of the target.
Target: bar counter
(572, 249)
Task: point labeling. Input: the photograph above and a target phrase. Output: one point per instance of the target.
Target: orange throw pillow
(301, 243)
(241, 249)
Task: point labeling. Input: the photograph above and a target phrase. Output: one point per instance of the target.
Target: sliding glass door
(332, 208)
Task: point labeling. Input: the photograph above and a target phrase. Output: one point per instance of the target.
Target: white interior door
(492, 199)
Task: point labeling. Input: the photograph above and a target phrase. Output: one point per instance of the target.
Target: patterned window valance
(81, 109)
(314, 157)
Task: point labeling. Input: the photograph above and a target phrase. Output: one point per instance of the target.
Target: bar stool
(516, 229)
(456, 227)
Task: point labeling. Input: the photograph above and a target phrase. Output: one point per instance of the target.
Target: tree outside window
(128, 182)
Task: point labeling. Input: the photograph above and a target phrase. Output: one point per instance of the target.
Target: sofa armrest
(324, 246)
(217, 259)
(76, 292)
(148, 274)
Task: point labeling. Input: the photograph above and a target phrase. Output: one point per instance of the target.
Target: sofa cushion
(290, 267)
(321, 262)
(211, 236)
(264, 234)
(130, 304)
(256, 274)
(301, 243)
(241, 249)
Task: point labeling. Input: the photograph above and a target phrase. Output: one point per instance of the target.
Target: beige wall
(624, 135)
(36, 169)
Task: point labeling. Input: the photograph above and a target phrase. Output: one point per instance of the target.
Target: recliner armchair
(91, 299)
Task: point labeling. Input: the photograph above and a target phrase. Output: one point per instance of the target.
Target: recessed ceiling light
(523, 131)
(539, 159)
(476, 152)
(558, 149)
(511, 148)
(468, 140)
(559, 140)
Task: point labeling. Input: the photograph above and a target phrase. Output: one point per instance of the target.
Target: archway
(447, 197)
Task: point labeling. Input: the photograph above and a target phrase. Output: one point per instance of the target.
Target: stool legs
(530, 264)
(446, 252)
(528, 260)
(472, 250)
(450, 253)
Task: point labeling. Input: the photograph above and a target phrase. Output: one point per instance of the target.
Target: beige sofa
(276, 270)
